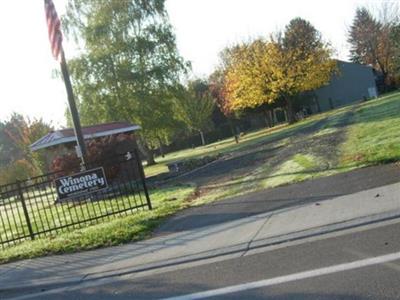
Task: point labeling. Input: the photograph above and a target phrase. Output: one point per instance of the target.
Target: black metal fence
(32, 208)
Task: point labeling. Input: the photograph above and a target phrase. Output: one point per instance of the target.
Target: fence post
(28, 221)
(142, 177)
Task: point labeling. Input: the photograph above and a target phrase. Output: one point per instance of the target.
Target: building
(63, 141)
(353, 82)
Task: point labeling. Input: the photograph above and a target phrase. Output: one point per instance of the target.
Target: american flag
(53, 25)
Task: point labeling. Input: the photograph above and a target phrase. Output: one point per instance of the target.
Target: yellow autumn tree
(247, 79)
(247, 76)
(292, 73)
(263, 72)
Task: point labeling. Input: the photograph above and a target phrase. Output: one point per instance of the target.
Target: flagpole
(73, 109)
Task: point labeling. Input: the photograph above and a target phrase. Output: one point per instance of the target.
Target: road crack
(248, 246)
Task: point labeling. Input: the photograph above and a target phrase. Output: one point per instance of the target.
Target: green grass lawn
(45, 215)
(372, 136)
(375, 135)
(129, 228)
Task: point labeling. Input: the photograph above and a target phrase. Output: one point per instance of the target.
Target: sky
(202, 28)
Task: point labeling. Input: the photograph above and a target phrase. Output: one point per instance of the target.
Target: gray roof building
(354, 82)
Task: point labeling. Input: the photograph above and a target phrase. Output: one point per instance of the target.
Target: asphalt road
(309, 191)
(335, 267)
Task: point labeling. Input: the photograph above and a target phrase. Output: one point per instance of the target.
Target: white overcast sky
(202, 28)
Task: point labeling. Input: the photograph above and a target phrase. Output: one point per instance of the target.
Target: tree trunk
(271, 117)
(386, 84)
(285, 114)
(274, 117)
(150, 158)
(234, 132)
(384, 77)
(331, 103)
(318, 105)
(236, 139)
(147, 152)
(161, 147)
(267, 118)
(203, 142)
(162, 150)
(290, 111)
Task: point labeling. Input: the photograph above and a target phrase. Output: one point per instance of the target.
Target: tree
(21, 169)
(301, 36)
(129, 66)
(293, 72)
(16, 135)
(262, 74)
(218, 81)
(300, 62)
(9, 152)
(395, 36)
(373, 42)
(364, 39)
(15, 138)
(37, 129)
(218, 92)
(195, 107)
(248, 79)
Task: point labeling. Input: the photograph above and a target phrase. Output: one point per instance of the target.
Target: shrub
(99, 151)
(18, 170)
(65, 164)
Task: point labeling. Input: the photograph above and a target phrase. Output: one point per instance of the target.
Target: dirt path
(321, 139)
